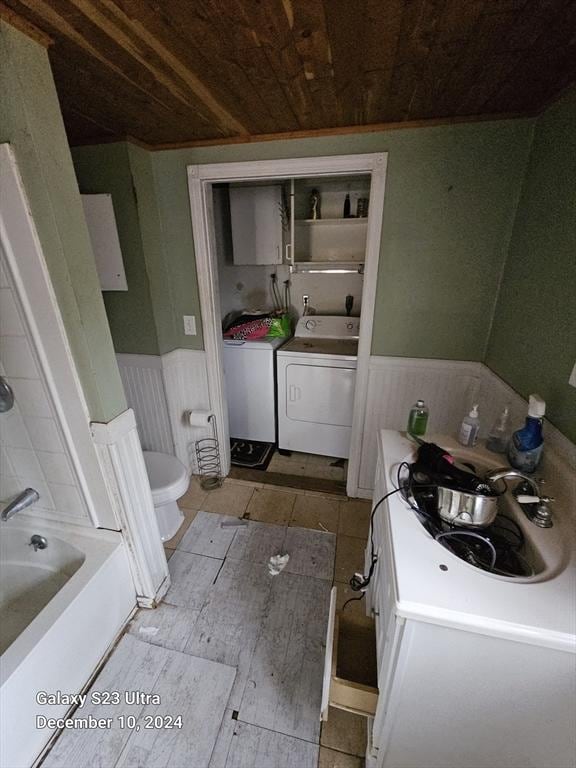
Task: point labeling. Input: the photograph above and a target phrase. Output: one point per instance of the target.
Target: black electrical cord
(356, 583)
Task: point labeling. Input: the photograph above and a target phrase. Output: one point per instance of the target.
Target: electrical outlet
(189, 325)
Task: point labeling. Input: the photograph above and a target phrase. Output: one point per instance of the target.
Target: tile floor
(310, 465)
(343, 736)
(223, 625)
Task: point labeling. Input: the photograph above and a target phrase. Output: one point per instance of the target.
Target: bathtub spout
(25, 499)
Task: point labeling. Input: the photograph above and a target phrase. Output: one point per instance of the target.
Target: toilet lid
(167, 475)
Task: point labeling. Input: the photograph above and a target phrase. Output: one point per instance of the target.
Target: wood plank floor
(237, 652)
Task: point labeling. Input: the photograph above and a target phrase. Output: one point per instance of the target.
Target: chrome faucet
(23, 500)
(534, 506)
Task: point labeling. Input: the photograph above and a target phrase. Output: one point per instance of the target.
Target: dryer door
(320, 394)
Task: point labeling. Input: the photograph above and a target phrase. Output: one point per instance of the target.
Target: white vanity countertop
(541, 610)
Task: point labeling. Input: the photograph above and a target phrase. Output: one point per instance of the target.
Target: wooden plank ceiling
(176, 71)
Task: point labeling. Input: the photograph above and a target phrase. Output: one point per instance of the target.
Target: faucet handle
(524, 498)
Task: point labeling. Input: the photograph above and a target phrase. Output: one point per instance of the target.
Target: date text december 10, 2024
(104, 698)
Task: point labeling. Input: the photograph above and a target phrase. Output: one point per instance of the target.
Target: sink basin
(512, 547)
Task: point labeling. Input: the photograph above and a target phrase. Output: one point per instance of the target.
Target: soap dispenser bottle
(525, 448)
(499, 435)
(469, 428)
(418, 419)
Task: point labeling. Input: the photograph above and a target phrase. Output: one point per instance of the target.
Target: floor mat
(251, 453)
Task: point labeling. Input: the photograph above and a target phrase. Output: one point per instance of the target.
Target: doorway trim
(200, 180)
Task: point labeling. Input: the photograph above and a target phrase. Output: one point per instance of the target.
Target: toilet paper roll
(199, 418)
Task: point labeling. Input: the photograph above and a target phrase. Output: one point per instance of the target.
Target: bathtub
(60, 610)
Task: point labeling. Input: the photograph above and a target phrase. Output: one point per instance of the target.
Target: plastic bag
(280, 327)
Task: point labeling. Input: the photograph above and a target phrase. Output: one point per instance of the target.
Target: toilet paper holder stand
(208, 459)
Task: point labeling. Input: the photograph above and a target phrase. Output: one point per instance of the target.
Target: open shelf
(331, 222)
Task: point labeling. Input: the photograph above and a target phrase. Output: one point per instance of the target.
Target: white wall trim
(450, 387)
(119, 450)
(143, 380)
(30, 276)
(187, 389)
(200, 179)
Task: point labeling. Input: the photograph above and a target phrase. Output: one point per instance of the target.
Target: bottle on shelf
(347, 206)
(314, 212)
(469, 428)
(500, 433)
(418, 419)
(525, 447)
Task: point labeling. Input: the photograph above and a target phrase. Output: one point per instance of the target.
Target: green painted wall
(31, 122)
(451, 195)
(163, 279)
(533, 341)
(131, 316)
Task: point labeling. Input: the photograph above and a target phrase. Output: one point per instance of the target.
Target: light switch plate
(572, 379)
(189, 325)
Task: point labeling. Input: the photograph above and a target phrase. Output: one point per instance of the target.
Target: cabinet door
(256, 217)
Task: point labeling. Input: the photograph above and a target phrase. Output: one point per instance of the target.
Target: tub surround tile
(17, 358)
(316, 512)
(67, 499)
(14, 433)
(33, 399)
(192, 578)
(268, 506)
(56, 467)
(10, 321)
(206, 536)
(345, 732)
(44, 434)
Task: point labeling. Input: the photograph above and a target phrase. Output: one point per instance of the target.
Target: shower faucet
(23, 500)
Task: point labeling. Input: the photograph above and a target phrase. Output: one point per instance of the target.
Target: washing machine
(316, 378)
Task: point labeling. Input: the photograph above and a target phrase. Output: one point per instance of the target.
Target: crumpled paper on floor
(277, 563)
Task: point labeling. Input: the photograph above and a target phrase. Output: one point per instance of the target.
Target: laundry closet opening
(290, 259)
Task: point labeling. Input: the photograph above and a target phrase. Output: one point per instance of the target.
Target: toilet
(169, 480)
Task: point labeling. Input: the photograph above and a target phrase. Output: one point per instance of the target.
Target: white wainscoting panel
(186, 381)
(143, 382)
(395, 383)
(449, 388)
(120, 454)
(558, 465)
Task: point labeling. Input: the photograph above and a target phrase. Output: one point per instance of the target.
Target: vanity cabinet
(256, 214)
(454, 691)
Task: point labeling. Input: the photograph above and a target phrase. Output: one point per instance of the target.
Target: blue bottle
(525, 447)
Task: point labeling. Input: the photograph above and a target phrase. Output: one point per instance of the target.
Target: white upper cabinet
(99, 214)
(256, 215)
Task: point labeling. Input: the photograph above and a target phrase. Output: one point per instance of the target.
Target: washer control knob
(310, 325)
